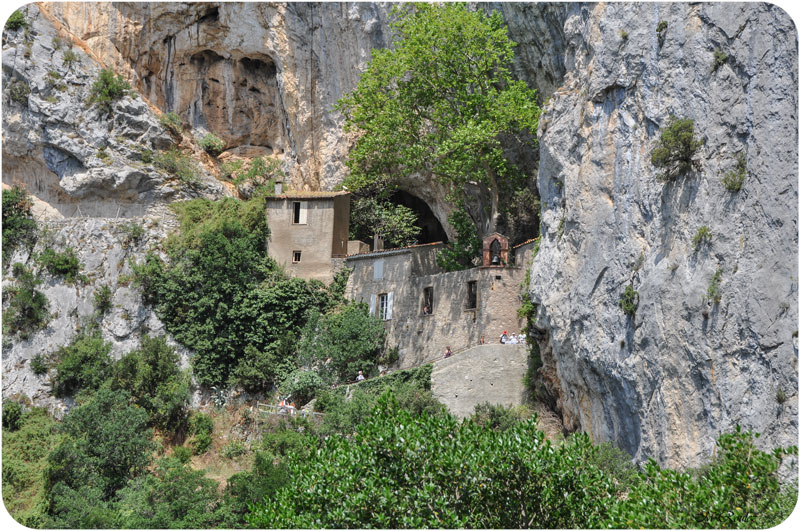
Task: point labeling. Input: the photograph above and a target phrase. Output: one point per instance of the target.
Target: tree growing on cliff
(442, 102)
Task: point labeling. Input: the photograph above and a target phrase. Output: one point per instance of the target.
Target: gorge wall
(265, 77)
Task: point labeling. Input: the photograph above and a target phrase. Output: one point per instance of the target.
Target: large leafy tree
(441, 101)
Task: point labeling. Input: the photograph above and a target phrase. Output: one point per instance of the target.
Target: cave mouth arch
(431, 229)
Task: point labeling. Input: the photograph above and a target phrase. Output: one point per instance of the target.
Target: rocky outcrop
(63, 148)
(665, 382)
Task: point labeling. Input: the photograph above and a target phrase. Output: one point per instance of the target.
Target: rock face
(63, 148)
(667, 381)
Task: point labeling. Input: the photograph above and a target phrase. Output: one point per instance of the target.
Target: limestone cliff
(667, 381)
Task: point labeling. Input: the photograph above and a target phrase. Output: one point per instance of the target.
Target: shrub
(69, 58)
(229, 168)
(712, 293)
(302, 385)
(151, 374)
(83, 365)
(662, 26)
(719, 59)
(12, 415)
(16, 21)
(732, 180)
(107, 89)
(703, 235)
(19, 227)
(18, 91)
(212, 144)
(177, 164)
(64, 264)
(27, 309)
(246, 488)
(39, 364)
(498, 417)
(133, 233)
(201, 426)
(182, 454)
(233, 449)
(676, 148)
(171, 122)
(629, 300)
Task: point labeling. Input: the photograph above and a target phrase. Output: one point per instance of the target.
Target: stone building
(426, 308)
(308, 232)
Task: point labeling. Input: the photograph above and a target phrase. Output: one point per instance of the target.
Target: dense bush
(16, 21)
(102, 299)
(171, 122)
(12, 415)
(39, 364)
(27, 309)
(733, 180)
(254, 486)
(629, 300)
(343, 342)
(19, 91)
(397, 224)
(151, 374)
(177, 164)
(676, 148)
(64, 264)
(201, 426)
(83, 365)
(212, 144)
(19, 227)
(107, 89)
(499, 417)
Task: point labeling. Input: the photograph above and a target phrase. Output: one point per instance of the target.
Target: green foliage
(780, 396)
(407, 471)
(39, 364)
(18, 91)
(132, 233)
(302, 385)
(152, 376)
(258, 173)
(732, 180)
(178, 164)
(623, 34)
(397, 224)
(200, 426)
(246, 488)
(703, 235)
(616, 464)
(229, 168)
(212, 144)
(65, 264)
(173, 496)
(233, 450)
(19, 227)
(499, 418)
(182, 454)
(107, 89)
(740, 489)
(676, 149)
(16, 21)
(465, 249)
(102, 299)
(171, 122)
(720, 58)
(441, 100)
(83, 365)
(713, 293)
(25, 453)
(662, 26)
(343, 342)
(27, 309)
(12, 415)
(629, 300)
(69, 58)
(107, 443)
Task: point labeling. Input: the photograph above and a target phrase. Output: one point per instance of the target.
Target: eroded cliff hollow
(667, 381)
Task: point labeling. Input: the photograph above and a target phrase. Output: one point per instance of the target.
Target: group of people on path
(513, 339)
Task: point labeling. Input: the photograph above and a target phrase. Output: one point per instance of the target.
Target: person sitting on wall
(426, 310)
(504, 337)
(513, 340)
(360, 376)
(522, 338)
(448, 352)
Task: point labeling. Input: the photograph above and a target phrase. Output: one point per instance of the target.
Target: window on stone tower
(299, 212)
(427, 300)
(296, 257)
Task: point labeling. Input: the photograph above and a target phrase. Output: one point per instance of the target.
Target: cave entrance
(430, 228)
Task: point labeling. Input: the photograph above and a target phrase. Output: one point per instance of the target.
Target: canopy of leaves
(27, 309)
(395, 223)
(441, 101)
(675, 150)
(83, 365)
(221, 295)
(19, 227)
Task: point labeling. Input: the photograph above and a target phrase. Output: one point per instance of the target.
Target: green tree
(107, 89)
(395, 223)
(83, 365)
(151, 374)
(19, 227)
(27, 309)
(441, 101)
(676, 148)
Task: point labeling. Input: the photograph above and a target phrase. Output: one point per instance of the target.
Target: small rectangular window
(299, 212)
(383, 305)
(296, 257)
(427, 300)
(472, 294)
(377, 270)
